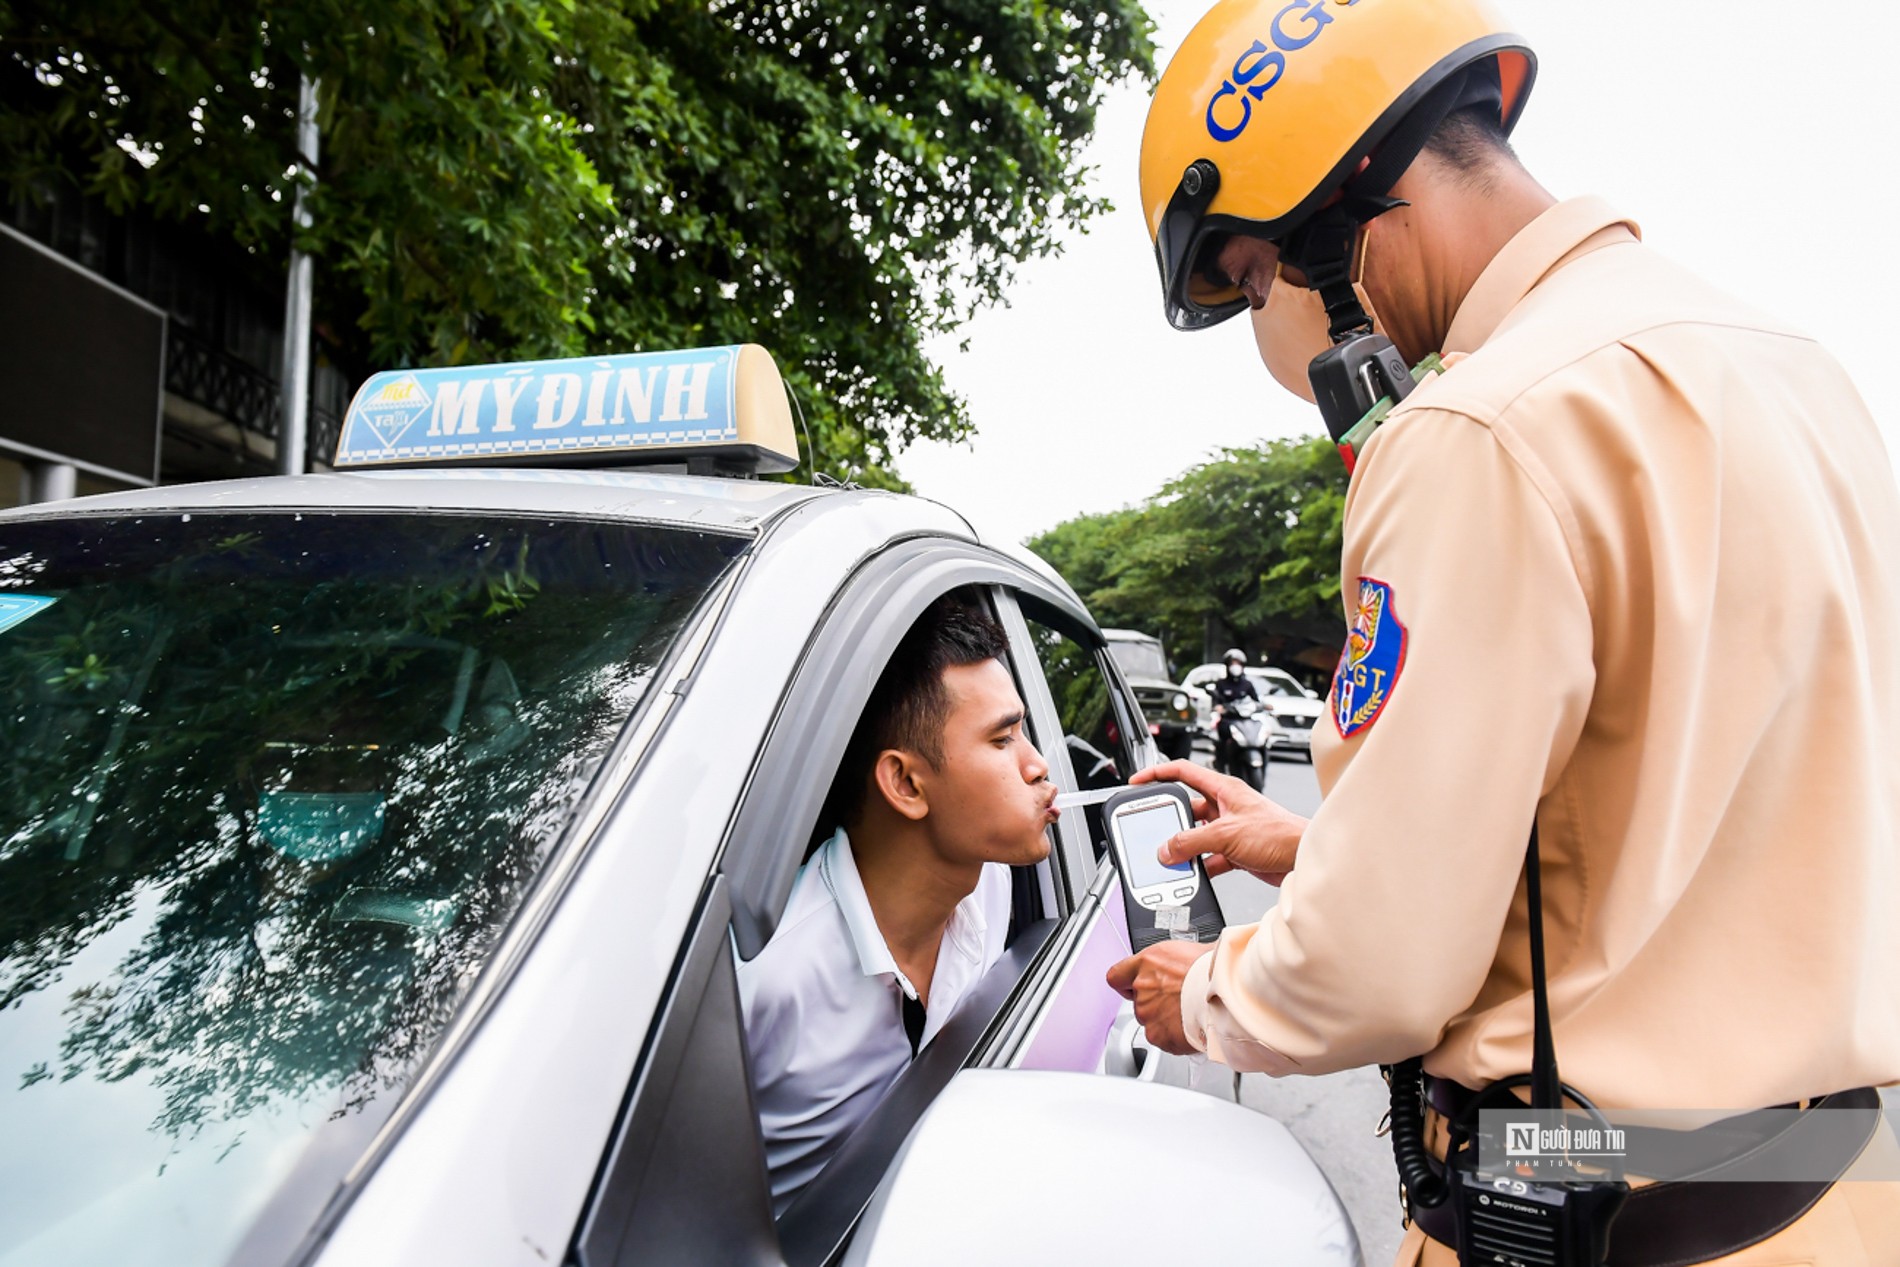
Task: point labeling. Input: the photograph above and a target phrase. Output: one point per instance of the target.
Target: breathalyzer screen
(1142, 834)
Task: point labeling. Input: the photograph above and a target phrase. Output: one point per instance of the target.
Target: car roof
(1032, 562)
(711, 502)
(733, 505)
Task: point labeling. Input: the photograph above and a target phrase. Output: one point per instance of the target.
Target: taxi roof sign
(720, 408)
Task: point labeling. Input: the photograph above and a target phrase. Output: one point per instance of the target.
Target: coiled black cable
(1423, 1185)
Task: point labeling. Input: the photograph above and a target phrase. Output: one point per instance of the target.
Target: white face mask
(1233, 670)
(1291, 328)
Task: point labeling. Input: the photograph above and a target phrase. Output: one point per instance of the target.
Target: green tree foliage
(1250, 539)
(518, 178)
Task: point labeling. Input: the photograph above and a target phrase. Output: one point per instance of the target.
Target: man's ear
(897, 775)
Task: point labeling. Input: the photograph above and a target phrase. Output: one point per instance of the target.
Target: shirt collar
(1562, 233)
(840, 871)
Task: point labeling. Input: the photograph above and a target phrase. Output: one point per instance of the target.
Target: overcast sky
(1752, 141)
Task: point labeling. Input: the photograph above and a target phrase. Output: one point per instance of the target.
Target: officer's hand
(1239, 828)
(1151, 981)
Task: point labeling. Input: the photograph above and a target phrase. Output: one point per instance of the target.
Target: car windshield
(275, 784)
(1276, 686)
(1140, 660)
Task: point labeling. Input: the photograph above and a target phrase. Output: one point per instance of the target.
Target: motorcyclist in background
(1236, 685)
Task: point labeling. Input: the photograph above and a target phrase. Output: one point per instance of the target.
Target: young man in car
(906, 906)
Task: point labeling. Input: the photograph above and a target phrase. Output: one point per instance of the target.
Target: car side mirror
(1015, 1166)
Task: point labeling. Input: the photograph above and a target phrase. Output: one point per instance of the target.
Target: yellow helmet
(1269, 105)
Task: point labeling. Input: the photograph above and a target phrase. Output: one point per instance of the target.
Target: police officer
(1234, 686)
(1626, 570)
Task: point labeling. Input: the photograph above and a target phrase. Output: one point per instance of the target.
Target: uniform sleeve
(1471, 648)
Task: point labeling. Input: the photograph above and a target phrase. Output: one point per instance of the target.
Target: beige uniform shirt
(1643, 546)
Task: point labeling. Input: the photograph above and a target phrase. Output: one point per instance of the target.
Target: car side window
(1092, 728)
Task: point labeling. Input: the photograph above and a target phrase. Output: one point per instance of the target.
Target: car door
(684, 1179)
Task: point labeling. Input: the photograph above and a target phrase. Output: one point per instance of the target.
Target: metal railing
(199, 371)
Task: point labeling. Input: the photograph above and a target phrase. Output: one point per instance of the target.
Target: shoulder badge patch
(1370, 665)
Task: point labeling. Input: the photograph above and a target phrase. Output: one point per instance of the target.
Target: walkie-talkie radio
(1505, 1215)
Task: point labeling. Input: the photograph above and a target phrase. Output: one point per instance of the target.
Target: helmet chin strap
(1322, 249)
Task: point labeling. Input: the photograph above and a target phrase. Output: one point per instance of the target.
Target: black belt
(1676, 1223)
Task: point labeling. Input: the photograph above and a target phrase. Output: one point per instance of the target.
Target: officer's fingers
(1180, 847)
(1198, 777)
(1235, 795)
(1217, 864)
(1121, 977)
(1166, 1035)
(1208, 838)
(1162, 1030)
(1167, 771)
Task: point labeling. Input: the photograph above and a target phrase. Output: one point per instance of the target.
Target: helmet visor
(1207, 286)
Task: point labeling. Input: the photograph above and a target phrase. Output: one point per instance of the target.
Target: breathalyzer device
(1129, 824)
(1162, 903)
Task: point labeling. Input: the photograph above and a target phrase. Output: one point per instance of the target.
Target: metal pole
(50, 482)
(293, 417)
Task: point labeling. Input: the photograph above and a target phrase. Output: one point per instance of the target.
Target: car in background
(379, 849)
(1293, 706)
(1180, 717)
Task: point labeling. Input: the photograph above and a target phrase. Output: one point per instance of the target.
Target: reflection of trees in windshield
(306, 769)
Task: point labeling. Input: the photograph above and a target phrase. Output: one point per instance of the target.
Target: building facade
(217, 395)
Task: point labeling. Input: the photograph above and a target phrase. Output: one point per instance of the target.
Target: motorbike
(1244, 737)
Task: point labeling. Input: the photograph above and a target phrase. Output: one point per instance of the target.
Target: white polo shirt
(824, 1007)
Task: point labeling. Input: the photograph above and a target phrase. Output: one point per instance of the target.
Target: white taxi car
(379, 848)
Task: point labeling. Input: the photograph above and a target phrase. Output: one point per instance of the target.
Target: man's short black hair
(910, 704)
(1471, 141)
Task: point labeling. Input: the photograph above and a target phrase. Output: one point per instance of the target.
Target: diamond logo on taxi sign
(393, 408)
